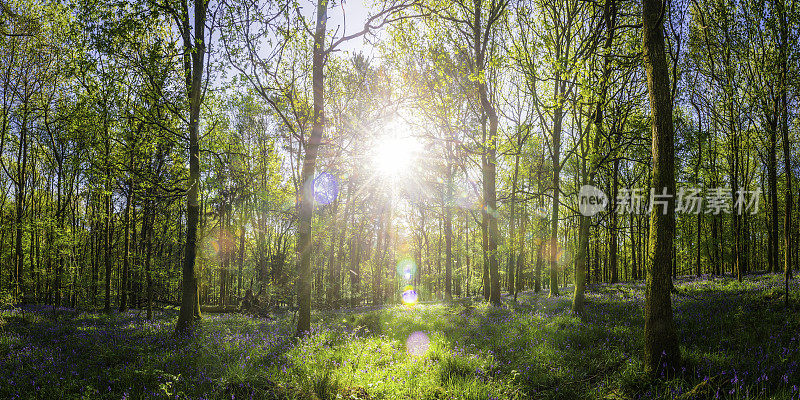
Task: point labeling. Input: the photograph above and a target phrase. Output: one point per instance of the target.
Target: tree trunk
(580, 265)
(787, 145)
(20, 181)
(94, 241)
(553, 247)
(772, 168)
(490, 148)
(123, 290)
(448, 228)
(240, 260)
(333, 273)
(661, 343)
(512, 235)
(355, 269)
(307, 177)
(108, 231)
(224, 253)
(612, 245)
(148, 222)
(134, 268)
(520, 279)
(485, 224)
(194, 66)
(107, 235)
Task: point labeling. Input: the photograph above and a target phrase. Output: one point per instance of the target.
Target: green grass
(737, 340)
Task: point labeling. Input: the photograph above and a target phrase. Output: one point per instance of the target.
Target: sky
(344, 18)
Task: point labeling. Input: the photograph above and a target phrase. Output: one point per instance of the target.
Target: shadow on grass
(122, 355)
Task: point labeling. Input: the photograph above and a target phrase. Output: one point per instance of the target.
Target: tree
(478, 23)
(194, 65)
(660, 341)
(250, 63)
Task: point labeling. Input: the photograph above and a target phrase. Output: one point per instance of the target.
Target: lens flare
(409, 296)
(326, 188)
(417, 344)
(406, 268)
(468, 197)
(559, 254)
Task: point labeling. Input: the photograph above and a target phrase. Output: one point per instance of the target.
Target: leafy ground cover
(738, 341)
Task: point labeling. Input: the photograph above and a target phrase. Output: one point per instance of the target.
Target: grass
(737, 339)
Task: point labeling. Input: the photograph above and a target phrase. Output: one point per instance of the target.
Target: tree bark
(123, 290)
(512, 235)
(612, 246)
(661, 344)
(787, 160)
(194, 66)
(553, 247)
(485, 228)
(448, 228)
(307, 176)
(21, 178)
(148, 222)
(333, 273)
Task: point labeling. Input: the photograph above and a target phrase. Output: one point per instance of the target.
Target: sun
(394, 156)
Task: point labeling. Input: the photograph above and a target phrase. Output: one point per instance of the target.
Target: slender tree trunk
(553, 247)
(94, 240)
(439, 259)
(241, 261)
(538, 268)
(333, 273)
(612, 246)
(21, 179)
(194, 66)
(787, 160)
(699, 216)
(540, 245)
(485, 226)
(107, 235)
(59, 211)
(580, 265)
(307, 176)
(735, 217)
(355, 269)
(448, 228)
(467, 257)
(634, 275)
(491, 210)
(134, 268)
(520, 280)
(512, 235)
(123, 290)
(148, 222)
(108, 231)
(661, 343)
(772, 168)
(224, 241)
(490, 148)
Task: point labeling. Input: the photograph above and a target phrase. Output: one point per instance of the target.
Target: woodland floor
(737, 341)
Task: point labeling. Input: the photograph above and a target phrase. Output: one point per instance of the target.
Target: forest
(399, 199)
